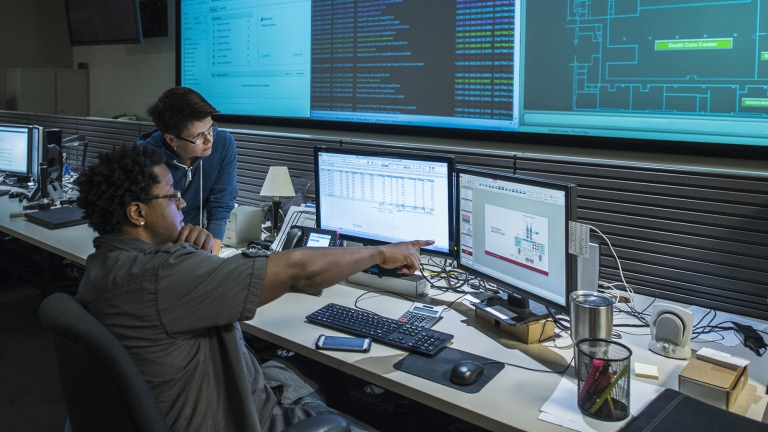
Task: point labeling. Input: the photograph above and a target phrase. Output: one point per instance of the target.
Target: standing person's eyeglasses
(197, 139)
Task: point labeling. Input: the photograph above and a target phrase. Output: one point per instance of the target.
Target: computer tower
(589, 268)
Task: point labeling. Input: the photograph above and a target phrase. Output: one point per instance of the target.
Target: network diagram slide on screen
(691, 60)
(518, 238)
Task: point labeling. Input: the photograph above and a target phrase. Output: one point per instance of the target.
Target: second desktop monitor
(514, 233)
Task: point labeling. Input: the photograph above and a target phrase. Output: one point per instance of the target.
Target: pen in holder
(602, 370)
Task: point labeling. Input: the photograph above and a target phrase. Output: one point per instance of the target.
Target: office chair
(103, 387)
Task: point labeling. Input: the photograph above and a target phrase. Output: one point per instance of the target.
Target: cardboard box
(529, 333)
(712, 383)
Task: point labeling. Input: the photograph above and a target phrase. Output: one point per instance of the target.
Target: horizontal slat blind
(692, 235)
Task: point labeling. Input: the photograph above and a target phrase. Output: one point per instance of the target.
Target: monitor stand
(517, 308)
(19, 181)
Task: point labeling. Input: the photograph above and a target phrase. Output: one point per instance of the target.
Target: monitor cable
(618, 294)
(453, 278)
(568, 366)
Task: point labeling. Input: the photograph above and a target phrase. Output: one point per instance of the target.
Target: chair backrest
(103, 387)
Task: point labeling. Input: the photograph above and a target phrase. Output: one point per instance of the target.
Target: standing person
(202, 159)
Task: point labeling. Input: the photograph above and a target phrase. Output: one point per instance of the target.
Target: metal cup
(591, 315)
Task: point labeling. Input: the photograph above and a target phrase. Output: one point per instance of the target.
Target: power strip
(413, 285)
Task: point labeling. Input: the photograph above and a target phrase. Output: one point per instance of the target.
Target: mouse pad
(438, 368)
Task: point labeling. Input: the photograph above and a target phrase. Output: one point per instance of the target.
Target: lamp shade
(278, 183)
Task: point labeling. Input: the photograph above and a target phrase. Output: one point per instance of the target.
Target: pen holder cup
(602, 369)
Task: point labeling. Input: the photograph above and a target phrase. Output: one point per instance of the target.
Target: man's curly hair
(120, 177)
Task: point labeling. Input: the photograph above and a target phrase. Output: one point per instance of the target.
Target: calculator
(422, 315)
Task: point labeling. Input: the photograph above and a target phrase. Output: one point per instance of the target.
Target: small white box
(243, 226)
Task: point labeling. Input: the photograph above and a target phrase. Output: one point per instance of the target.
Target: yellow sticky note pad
(646, 371)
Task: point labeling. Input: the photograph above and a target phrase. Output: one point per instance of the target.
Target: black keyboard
(381, 329)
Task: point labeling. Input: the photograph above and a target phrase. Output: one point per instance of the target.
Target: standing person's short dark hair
(177, 107)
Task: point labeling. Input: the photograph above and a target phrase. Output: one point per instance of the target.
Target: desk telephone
(301, 236)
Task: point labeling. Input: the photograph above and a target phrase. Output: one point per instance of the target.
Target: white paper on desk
(304, 216)
(561, 408)
(227, 252)
(725, 337)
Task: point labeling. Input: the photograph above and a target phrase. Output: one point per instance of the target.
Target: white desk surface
(74, 243)
(511, 401)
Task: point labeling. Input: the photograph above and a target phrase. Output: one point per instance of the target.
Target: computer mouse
(466, 372)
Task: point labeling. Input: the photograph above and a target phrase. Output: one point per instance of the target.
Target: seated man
(175, 307)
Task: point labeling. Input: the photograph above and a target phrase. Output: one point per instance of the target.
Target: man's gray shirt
(175, 309)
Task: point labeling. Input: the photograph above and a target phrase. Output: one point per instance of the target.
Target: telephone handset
(301, 236)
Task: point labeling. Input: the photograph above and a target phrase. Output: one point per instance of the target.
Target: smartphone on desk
(341, 343)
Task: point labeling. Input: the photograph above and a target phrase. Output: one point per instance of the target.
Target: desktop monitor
(18, 149)
(379, 198)
(514, 233)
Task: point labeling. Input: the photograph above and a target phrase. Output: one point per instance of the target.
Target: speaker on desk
(589, 268)
(671, 328)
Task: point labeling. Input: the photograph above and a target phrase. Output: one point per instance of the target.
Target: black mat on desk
(438, 368)
(59, 217)
(672, 411)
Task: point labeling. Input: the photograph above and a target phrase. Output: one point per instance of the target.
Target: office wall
(128, 78)
(691, 234)
(34, 34)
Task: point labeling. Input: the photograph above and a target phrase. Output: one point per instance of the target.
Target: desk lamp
(277, 184)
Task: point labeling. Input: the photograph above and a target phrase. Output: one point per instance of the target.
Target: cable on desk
(450, 306)
(360, 297)
(631, 311)
(697, 327)
(68, 182)
(559, 321)
(442, 272)
(480, 284)
(630, 292)
(531, 369)
(711, 328)
(631, 334)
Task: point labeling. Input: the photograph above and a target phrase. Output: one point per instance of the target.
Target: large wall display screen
(685, 70)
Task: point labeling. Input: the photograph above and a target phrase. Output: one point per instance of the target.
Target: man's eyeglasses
(198, 139)
(176, 195)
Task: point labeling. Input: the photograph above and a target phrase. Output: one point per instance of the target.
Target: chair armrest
(321, 423)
